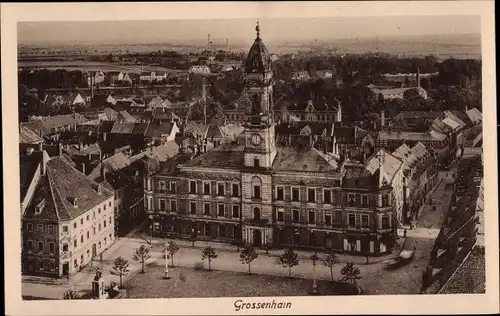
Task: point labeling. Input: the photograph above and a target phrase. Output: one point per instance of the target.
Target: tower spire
(257, 29)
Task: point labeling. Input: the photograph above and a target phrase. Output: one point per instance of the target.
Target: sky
(243, 30)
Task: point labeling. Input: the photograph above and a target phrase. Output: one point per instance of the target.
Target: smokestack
(227, 45)
(418, 77)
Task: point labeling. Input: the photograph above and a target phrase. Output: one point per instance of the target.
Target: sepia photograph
(262, 159)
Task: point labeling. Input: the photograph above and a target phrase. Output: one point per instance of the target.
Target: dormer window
(75, 202)
(99, 189)
(39, 207)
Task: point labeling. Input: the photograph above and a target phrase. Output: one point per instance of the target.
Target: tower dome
(258, 58)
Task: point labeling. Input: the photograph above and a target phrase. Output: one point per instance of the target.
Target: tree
(247, 255)
(141, 254)
(330, 261)
(172, 249)
(210, 254)
(289, 259)
(350, 272)
(120, 268)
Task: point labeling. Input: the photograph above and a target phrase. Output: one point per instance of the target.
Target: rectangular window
(350, 199)
(364, 200)
(29, 244)
(51, 229)
(256, 162)
(352, 220)
(256, 192)
(364, 221)
(327, 196)
(220, 189)
(39, 228)
(163, 186)
(295, 216)
(87, 217)
(173, 187)
(295, 194)
(206, 209)
(236, 190)
(236, 211)
(385, 200)
(29, 227)
(328, 219)
(311, 195)
(280, 215)
(221, 209)
(311, 217)
(81, 221)
(40, 246)
(65, 247)
(173, 206)
(385, 222)
(193, 207)
(206, 188)
(88, 235)
(163, 205)
(52, 247)
(280, 196)
(192, 187)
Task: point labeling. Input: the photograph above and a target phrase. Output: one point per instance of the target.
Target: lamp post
(167, 244)
(314, 257)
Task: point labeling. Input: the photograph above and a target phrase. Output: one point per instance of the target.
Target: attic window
(39, 207)
(75, 202)
(99, 189)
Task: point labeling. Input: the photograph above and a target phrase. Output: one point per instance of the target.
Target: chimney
(382, 118)
(103, 172)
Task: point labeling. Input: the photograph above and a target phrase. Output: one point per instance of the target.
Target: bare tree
(141, 254)
(330, 261)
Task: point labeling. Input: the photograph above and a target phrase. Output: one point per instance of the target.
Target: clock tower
(260, 147)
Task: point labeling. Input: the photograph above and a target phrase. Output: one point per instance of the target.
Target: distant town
(315, 172)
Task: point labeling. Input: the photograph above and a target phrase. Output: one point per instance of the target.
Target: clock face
(256, 139)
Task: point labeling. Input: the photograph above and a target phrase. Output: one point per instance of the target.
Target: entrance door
(65, 269)
(257, 238)
(328, 242)
(94, 250)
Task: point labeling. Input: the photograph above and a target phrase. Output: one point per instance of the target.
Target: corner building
(267, 195)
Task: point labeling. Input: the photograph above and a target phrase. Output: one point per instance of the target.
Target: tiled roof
(122, 128)
(316, 128)
(412, 136)
(61, 185)
(111, 114)
(307, 160)
(385, 163)
(474, 115)
(214, 131)
(140, 128)
(232, 131)
(197, 129)
(159, 130)
(225, 156)
(124, 115)
(463, 117)
(28, 166)
(48, 124)
(396, 91)
(27, 136)
(417, 114)
(105, 127)
(163, 152)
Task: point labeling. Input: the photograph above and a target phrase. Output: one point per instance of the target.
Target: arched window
(256, 213)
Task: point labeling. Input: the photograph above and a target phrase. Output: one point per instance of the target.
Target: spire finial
(257, 29)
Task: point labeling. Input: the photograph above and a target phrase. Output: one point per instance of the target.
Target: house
(199, 70)
(396, 93)
(316, 110)
(258, 192)
(394, 139)
(97, 77)
(51, 126)
(300, 75)
(67, 220)
(158, 102)
(115, 77)
(411, 120)
(73, 99)
(111, 100)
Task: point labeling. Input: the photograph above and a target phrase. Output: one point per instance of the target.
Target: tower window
(256, 162)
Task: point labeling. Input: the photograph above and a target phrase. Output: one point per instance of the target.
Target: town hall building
(273, 196)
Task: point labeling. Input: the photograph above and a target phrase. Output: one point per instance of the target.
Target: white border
(392, 304)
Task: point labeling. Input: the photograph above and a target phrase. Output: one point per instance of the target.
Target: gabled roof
(386, 164)
(214, 131)
(225, 156)
(111, 114)
(411, 136)
(140, 128)
(197, 129)
(124, 115)
(60, 187)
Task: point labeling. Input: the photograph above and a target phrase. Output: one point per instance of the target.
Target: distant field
(86, 66)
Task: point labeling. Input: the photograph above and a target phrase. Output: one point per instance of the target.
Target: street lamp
(167, 244)
(314, 257)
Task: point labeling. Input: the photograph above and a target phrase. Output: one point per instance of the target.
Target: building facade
(271, 196)
(67, 221)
